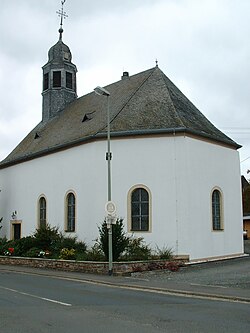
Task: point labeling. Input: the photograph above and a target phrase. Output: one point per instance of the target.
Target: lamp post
(110, 207)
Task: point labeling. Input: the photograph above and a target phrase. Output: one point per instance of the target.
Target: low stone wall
(119, 268)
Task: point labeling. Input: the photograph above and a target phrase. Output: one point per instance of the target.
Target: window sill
(144, 231)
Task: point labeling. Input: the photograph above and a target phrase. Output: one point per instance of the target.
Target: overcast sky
(201, 45)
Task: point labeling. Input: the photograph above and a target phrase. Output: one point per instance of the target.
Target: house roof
(147, 103)
(244, 183)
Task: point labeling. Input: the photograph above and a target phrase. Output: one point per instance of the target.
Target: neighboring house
(246, 206)
(246, 226)
(175, 176)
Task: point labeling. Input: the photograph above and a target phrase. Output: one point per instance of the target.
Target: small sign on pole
(110, 208)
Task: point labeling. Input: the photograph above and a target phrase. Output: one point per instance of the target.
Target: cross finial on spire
(63, 15)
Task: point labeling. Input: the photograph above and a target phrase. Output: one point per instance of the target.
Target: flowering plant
(67, 254)
(9, 252)
(43, 254)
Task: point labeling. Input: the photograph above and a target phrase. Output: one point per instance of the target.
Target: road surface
(32, 303)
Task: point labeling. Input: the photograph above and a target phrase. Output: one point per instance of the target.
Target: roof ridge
(152, 70)
(172, 103)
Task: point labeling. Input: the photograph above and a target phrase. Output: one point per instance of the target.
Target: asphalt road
(34, 303)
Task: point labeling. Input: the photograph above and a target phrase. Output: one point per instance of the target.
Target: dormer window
(57, 79)
(69, 80)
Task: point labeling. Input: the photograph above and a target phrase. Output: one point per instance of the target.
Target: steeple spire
(63, 15)
(59, 76)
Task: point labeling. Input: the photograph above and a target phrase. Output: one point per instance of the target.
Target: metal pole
(109, 152)
(109, 190)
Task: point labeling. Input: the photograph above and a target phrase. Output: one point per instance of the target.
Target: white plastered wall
(179, 171)
(209, 166)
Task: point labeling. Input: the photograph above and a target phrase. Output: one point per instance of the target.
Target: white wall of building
(179, 171)
(210, 166)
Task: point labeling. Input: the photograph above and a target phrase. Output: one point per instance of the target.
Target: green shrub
(50, 239)
(33, 252)
(72, 243)
(164, 252)
(137, 249)
(3, 243)
(47, 240)
(23, 245)
(95, 253)
(47, 237)
(119, 239)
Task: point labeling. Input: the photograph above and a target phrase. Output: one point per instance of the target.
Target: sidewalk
(147, 283)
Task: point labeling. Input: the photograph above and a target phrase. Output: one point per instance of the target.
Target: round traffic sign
(110, 208)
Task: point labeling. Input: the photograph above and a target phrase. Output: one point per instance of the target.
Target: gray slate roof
(147, 103)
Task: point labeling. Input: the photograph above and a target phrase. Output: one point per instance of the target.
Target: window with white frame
(217, 210)
(71, 212)
(139, 209)
(42, 212)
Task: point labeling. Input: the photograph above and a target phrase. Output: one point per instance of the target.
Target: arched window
(217, 210)
(42, 212)
(139, 209)
(71, 212)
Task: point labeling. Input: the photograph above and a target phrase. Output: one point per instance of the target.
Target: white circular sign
(110, 208)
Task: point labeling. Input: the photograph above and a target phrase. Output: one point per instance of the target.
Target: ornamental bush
(119, 239)
(33, 252)
(95, 253)
(137, 249)
(72, 243)
(47, 240)
(47, 237)
(67, 254)
(52, 240)
(23, 245)
(3, 242)
(164, 252)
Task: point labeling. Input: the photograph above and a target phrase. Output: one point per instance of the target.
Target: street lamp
(110, 207)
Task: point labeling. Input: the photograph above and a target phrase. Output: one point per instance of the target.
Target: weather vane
(63, 15)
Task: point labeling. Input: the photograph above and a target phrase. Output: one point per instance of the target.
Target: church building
(175, 178)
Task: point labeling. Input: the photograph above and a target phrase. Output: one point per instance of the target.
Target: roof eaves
(213, 138)
(172, 131)
(47, 151)
(101, 135)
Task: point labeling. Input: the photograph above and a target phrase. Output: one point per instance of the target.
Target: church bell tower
(59, 77)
